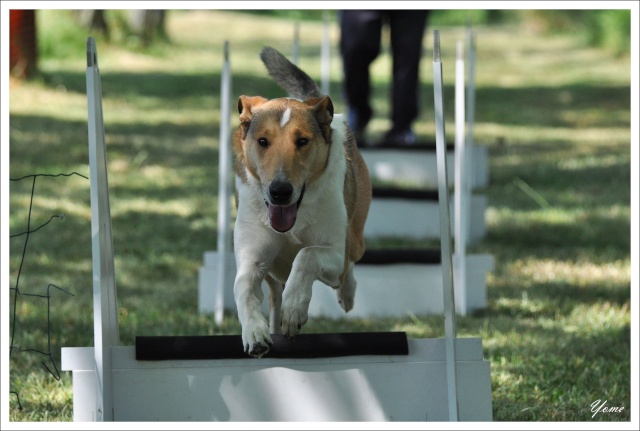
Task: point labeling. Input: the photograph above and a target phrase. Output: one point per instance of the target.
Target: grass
(554, 114)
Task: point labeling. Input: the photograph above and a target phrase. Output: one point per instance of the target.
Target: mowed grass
(554, 115)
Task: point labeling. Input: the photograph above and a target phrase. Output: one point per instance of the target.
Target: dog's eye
(263, 142)
(301, 142)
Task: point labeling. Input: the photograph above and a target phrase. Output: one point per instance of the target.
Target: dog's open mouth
(283, 217)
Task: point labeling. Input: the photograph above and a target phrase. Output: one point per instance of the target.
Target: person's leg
(407, 31)
(359, 46)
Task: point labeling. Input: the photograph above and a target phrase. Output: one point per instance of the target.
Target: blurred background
(139, 29)
(553, 109)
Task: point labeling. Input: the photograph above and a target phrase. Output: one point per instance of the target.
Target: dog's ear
(323, 111)
(323, 107)
(245, 105)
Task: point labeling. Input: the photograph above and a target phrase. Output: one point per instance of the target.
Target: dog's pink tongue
(282, 217)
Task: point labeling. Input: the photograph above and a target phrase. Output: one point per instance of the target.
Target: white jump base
(351, 388)
(420, 219)
(394, 290)
(418, 167)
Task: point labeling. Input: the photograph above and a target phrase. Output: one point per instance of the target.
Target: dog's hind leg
(347, 291)
(275, 304)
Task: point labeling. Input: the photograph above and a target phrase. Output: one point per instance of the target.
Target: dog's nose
(280, 192)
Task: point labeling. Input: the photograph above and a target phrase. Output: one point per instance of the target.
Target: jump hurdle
(422, 380)
(395, 213)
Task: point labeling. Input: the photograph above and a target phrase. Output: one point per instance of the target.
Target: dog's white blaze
(285, 117)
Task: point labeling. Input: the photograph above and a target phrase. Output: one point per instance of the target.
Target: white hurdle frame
(325, 55)
(325, 51)
(109, 384)
(462, 195)
(445, 230)
(295, 48)
(225, 176)
(105, 308)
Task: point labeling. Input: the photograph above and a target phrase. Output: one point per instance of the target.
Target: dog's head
(284, 144)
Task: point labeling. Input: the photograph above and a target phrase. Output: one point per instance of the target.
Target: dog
(302, 195)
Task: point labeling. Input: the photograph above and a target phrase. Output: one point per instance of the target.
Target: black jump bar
(399, 193)
(162, 348)
(418, 146)
(394, 256)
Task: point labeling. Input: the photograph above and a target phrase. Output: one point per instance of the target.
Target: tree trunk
(23, 49)
(93, 20)
(148, 25)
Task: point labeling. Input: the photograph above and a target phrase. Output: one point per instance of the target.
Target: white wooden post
(296, 43)
(105, 307)
(325, 54)
(224, 187)
(445, 232)
(461, 206)
(471, 86)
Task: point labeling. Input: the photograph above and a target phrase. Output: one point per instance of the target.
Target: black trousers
(360, 45)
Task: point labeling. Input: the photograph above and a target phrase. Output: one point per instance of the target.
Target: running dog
(302, 195)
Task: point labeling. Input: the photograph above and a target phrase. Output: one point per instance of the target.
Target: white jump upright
(220, 268)
(224, 185)
(466, 265)
(325, 55)
(470, 112)
(105, 307)
(462, 195)
(445, 230)
(438, 380)
(296, 43)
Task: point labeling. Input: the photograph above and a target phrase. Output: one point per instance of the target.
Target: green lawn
(554, 114)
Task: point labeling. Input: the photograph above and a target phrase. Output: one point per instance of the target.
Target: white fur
(285, 117)
(314, 249)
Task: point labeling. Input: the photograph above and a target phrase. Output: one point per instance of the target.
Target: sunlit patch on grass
(598, 318)
(582, 274)
(175, 207)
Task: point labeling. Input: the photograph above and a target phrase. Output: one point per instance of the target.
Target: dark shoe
(399, 138)
(357, 124)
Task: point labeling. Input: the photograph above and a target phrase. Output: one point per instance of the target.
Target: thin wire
(49, 175)
(55, 373)
(61, 216)
(24, 252)
(18, 398)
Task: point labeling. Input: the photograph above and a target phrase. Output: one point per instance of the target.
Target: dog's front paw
(256, 339)
(294, 315)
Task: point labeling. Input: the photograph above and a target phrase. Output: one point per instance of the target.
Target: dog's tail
(287, 75)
